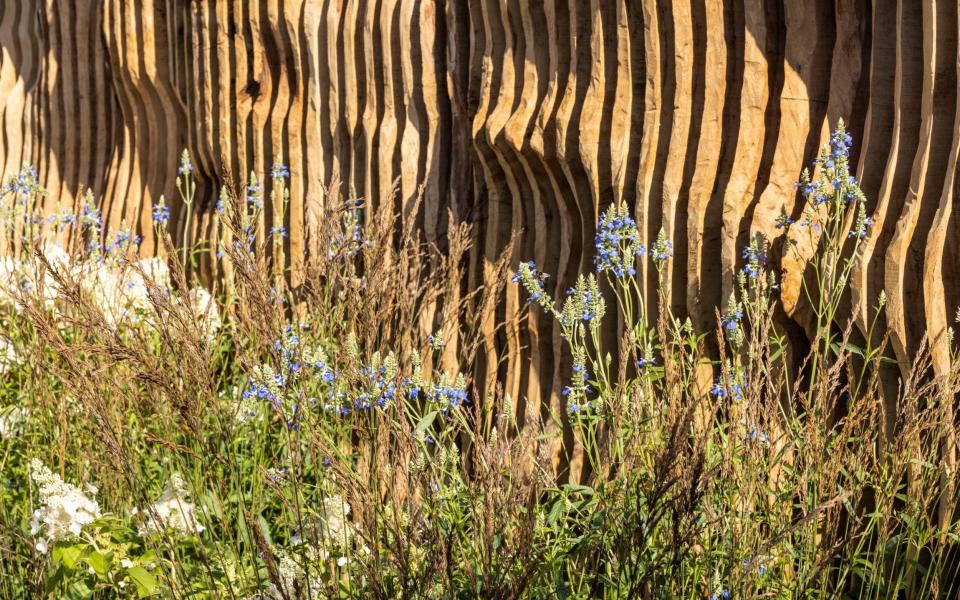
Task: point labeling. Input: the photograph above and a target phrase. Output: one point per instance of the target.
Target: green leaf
(574, 488)
(53, 582)
(214, 503)
(99, 563)
(779, 352)
(851, 348)
(554, 513)
(265, 529)
(145, 582)
(79, 591)
(69, 555)
(425, 422)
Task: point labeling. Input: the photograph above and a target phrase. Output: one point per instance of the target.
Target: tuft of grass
(317, 434)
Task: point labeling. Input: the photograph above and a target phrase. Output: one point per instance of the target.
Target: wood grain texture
(527, 116)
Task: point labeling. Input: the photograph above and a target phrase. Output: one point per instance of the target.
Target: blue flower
(736, 389)
(24, 182)
(280, 171)
(531, 279)
(185, 167)
(253, 194)
(617, 243)
(161, 213)
(755, 256)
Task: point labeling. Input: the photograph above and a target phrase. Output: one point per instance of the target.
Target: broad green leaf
(145, 582)
(79, 590)
(69, 555)
(99, 563)
(53, 582)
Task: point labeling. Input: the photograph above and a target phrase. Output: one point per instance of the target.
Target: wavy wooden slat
(532, 179)
(704, 223)
(677, 151)
(941, 279)
(895, 263)
(558, 215)
(803, 103)
(876, 147)
(647, 217)
(20, 75)
(844, 80)
(740, 189)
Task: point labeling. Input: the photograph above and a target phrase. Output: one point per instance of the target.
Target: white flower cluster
(334, 518)
(173, 510)
(119, 289)
(9, 358)
(11, 419)
(123, 293)
(17, 278)
(329, 527)
(65, 511)
(291, 574)
(206, 311)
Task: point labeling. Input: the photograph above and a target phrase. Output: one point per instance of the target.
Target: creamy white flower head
(206, 311)
(36, 280)
(157, 270)
(9, 279)
(28, 276)
(103, 283)
(11, 419)
(120, 292)
(329, 527)
(55, 255)
(173, 510)
(8, 356)
(18, 282)
(291, 574)
(335, 513)
(65, 509)
(134, 295)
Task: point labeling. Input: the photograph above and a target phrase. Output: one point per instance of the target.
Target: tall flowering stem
(835, 213)
(618, 252)
(24, 188)
(187, 188)
(279, 197)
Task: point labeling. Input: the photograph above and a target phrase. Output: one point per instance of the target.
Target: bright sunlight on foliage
(165, 434)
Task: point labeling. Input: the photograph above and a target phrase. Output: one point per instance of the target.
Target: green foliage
(325, 441)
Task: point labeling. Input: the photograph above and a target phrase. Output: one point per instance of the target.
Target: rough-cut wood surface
(526, 115)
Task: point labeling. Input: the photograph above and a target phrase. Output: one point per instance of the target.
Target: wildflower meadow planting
(169, 433)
